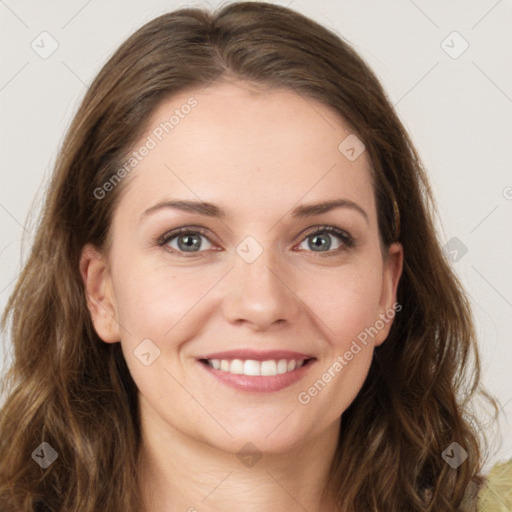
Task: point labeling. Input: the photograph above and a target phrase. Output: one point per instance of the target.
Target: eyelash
(347, 240)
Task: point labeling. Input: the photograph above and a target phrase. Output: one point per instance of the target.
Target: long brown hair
(71, 390)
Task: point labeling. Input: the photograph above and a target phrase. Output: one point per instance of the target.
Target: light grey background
(457, 108)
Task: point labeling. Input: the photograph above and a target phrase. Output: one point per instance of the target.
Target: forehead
(232, 145)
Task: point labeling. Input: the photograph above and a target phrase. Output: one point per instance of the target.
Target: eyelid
(321, 228)
(169, 235)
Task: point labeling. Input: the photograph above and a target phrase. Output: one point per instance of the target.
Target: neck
(179, 473)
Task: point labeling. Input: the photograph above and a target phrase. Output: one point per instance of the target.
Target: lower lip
(258, 383)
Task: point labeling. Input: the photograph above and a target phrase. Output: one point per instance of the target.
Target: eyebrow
(212, 210)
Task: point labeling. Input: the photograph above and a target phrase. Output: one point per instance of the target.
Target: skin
(257, 155)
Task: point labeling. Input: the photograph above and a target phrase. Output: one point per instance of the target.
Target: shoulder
(486, 493)
(495, 494)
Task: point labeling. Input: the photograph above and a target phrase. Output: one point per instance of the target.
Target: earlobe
(99, 293)
(392, 272)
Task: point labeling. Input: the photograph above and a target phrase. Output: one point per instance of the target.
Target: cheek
(150, 300)
(157, 304)
(345, 301)
(348, 308)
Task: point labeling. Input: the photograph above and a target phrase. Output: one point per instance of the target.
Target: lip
(257, 355)
(258, 383)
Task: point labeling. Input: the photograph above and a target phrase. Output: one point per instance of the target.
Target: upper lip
(258, 355)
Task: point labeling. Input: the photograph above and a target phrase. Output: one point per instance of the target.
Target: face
(252, 318)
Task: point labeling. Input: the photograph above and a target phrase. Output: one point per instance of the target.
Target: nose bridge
(259, 292)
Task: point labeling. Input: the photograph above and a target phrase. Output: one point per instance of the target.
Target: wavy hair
(68, 388)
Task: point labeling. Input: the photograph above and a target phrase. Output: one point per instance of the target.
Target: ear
(99, 291)
(391, 273)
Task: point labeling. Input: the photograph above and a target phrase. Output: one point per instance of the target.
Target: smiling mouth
(253, 368)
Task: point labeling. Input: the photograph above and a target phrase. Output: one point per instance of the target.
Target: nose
(260, 293)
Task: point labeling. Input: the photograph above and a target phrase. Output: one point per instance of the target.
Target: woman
(236, 298)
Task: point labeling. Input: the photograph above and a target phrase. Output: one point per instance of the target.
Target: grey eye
(320, 242)
(188, 242)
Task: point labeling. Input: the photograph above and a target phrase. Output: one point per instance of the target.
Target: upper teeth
(251, 367)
